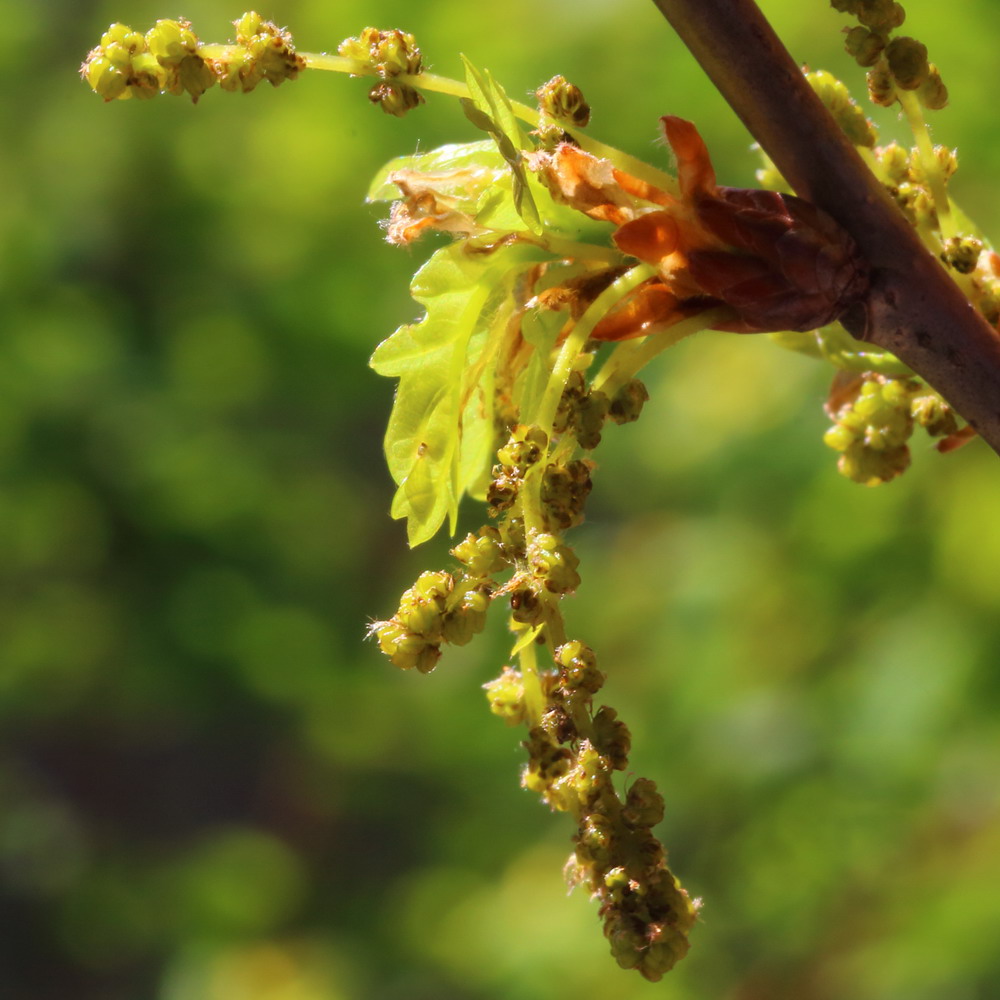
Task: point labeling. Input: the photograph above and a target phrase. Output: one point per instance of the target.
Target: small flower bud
(482, 553)
(644, 804)
(565, 489)
(933, 93)
(846, 112)
(395, 98)
(864, 45)
(579, 667)
(506, 696)
(247, 27)
(627, 403)
(961, 253)
(881, 87)
(385, 53)
(468, 619)
(554, 564)
(526, 606)
(871, 468)
(612, 737)
(907, 60)
(916, 203)
(404, 649)
(523, 449)
(595, 840)
(564, 102)
(894, 161)
(932, 413)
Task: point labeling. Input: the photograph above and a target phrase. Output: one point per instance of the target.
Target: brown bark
(913, 308)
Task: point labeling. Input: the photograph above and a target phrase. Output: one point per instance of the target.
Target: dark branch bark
(913, 308)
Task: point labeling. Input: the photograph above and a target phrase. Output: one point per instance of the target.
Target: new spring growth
(894, 63)
(572, 754)
(170, 59)
(570, 266)
(874, 418)
(387, 55)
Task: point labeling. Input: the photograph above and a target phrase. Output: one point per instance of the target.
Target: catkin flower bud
(564, 102)
(579, 668)
(268, 55)
(387, 54)
(547, 764)
(846, 112)
(933, 93)
(523, 449)
(565, 489)
(384, 53)
(881, 87)
(553, 564)
(395, 98)
(526, 604)
(864, 45)
(932, 413)
(502, 490)
(644, 805)
(907, 60)
(872, 428)
(627, 403)
(961, 253)
(894, 161)
(405, 650)
(916, 202)
(481, 554)
(468, 618)
(612, 738)
(506, 696)
(595, 841)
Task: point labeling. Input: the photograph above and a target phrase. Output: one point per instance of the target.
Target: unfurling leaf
(441, 429)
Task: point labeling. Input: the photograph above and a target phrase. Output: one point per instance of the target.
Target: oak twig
(913, 308)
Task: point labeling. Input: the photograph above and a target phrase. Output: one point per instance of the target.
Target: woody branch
(912, 308)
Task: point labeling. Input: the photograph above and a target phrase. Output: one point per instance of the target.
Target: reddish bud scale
(778, 262)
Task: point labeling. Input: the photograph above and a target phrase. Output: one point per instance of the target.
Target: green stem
(578, 337)
(572, 250)
(534, 699)
(628, 359)
(928, 161)
(454, 88)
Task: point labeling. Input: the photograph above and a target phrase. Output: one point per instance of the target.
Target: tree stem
(913, 308)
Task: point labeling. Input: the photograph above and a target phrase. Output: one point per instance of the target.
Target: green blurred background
(211, 788)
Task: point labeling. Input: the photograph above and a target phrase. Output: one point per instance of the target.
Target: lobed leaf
(441, 431)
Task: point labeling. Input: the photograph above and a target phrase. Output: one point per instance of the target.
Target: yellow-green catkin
(874, 421)
(846, 111)
(572, 755)
(563, 102)
(387, 55)
(894, 62)
(170, 59)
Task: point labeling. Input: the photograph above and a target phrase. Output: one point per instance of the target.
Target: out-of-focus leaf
(834, 344)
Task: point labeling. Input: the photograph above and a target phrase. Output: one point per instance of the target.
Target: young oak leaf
(443, 190)
(454, 157)
(489, 109)
(443, 410)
